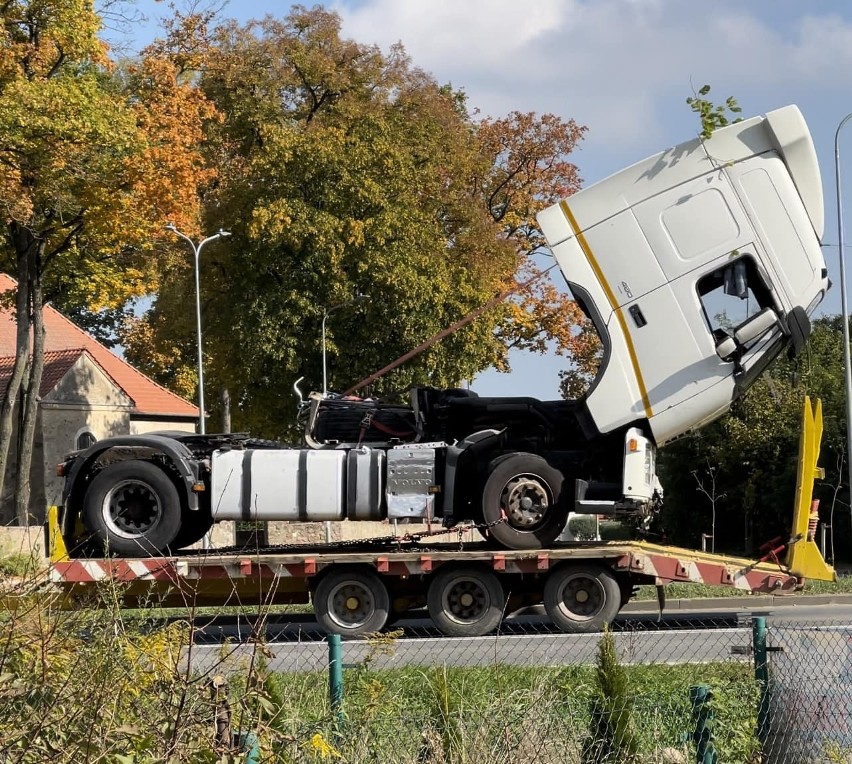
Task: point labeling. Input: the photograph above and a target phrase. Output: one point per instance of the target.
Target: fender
(474, 442)
(179, 454)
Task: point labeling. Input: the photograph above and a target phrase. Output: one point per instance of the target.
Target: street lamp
(325, 315)
(196, 253)
(847, 365)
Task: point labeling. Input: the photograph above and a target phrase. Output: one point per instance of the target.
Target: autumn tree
(344, 170)
(94, 160)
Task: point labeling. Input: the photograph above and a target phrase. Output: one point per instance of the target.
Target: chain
(407, 539)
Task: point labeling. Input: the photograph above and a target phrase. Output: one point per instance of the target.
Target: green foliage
(344, 170)
(17, 564)
(584, 528)
(96, 685)
(754, 451)
(612, 737)
(712, 116)
(614, 530)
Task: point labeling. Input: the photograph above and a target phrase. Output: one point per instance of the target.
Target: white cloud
(622, 67)
(442, 34)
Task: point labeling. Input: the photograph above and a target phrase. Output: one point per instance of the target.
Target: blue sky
(623, 68)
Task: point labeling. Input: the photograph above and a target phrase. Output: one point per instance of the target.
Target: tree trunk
(225, 403)
(23, 241)
(23, 510)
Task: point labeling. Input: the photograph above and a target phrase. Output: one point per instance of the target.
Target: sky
(624, 69)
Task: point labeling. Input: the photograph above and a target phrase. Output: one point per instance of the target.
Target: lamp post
(196, 253)
(325, 315)
(847, 365)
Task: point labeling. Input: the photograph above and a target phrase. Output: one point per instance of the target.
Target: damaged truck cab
(697, 266)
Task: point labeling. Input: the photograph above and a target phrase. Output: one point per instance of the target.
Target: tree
(754, 449)
(94, 161)
(713, 116)
(345, 170)
(612, 734)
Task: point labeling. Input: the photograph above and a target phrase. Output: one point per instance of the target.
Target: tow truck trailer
(696, 266)
(356, 588)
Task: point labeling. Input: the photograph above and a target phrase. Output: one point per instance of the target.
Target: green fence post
(761, 675)
(250, 746)
(701, 697)
(335, 676)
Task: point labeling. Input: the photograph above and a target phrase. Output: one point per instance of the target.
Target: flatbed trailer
(355, 587)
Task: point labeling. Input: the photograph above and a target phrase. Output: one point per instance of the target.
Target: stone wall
(346, 530)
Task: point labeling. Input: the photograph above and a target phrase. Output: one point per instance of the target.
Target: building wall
(139, 425)
(84, 400)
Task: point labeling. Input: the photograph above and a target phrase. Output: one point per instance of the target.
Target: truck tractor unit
(696, 266)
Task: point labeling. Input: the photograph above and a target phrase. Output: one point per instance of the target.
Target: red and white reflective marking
(653, 564)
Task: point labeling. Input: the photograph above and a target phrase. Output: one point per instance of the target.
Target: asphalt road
(687, 633)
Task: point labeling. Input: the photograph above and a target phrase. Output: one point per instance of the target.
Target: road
(682, 636)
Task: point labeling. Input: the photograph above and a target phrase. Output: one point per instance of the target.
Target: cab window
(731, 295)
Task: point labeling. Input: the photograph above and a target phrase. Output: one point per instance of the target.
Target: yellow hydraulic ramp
(803, 556)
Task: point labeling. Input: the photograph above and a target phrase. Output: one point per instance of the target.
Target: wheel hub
(350, 605)
(582, 597)
(525, 501)
(466, 600)
(131, 509)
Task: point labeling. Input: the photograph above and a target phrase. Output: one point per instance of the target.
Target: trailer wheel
(465, 601)
(581, 598)
(132, 509)
(524, 491)
(351, 602)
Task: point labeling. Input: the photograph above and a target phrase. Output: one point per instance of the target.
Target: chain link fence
(807, 711)
(709, 690)
(527, 693)
(119, 687)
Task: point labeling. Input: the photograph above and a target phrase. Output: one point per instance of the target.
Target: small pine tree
(612, 736)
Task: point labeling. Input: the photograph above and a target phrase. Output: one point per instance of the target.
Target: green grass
(17, 564)
(500, 713)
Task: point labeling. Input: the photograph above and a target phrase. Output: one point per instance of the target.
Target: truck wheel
(194, 524)
(132, 509)
(465, 601)
(351, 602)
(524, 490)
(581, 598)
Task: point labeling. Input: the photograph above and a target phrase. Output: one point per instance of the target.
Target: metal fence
(728, 689)
(807, 712)
(274, 689)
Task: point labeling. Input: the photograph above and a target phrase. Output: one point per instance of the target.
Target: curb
(751, 602)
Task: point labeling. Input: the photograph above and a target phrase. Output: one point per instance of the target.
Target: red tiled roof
(56, 365)
(61, 334)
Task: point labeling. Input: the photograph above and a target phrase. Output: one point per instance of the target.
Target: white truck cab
(697, 266)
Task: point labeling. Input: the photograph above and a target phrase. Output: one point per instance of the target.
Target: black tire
(132, 509)
(465, 600)
(581, 598)
(351, 602)
(194, 524)
(514, 481)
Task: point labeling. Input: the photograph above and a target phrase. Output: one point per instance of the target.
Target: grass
(498, 714)
(17, 564)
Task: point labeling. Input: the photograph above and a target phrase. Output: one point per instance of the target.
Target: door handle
(636, 314)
